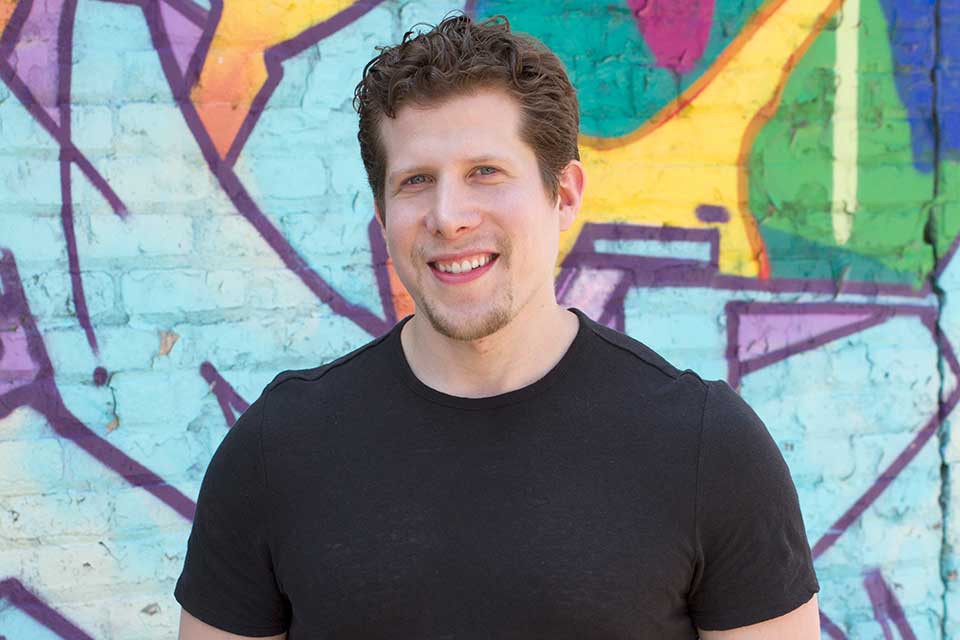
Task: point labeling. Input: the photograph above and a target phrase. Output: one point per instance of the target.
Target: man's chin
(467, 328)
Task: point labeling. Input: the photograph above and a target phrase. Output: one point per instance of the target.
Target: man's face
(472, 232)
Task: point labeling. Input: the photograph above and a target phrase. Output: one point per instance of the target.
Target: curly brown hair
(458, 56)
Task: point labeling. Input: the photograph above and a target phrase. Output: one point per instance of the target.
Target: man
(496, 466)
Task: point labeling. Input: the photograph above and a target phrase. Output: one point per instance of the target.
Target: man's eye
(417, 179)
(487, 171)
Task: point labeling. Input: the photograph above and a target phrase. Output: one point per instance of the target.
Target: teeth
(464, 266)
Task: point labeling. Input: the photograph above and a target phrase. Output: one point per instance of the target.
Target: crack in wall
(931, 236)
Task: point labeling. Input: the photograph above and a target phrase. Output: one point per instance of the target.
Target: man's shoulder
(613, 348)
(351, 368)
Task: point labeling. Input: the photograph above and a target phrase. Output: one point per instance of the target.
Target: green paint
(948, 214)
(802, 258)
(607, 59)
(892, 216)
(791, 170)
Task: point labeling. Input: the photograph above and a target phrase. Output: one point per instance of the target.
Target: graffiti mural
(772, 200)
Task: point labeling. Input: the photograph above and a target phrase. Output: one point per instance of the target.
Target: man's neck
(517, 355)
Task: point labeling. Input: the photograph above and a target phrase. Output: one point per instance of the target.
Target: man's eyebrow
(407, 171)
(485, 158)
(412, 170)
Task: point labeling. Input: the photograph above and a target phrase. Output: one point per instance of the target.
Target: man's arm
(803, 623)
(193, 629)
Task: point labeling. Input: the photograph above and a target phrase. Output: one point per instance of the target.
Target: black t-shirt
(616, 497)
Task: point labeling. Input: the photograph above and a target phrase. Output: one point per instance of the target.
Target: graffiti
(35, 48)
(885, 606)
(677, 33)
(28, 381)
(42, 614)
(227, 397)
(770, 201)
(705, 154)
(931, 124)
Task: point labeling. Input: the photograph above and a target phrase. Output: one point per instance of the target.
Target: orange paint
(235, 72)
(402, 302)
(759, 120)
(6, 10)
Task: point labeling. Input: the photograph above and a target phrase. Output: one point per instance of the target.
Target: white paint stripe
(845, 130)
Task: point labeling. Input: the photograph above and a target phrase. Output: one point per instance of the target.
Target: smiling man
(496, 466)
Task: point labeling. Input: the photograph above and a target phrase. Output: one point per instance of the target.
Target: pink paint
(183, 33)
(17, 367)
(591, 290)
(675, 30)
(35, 58)
(763, 333)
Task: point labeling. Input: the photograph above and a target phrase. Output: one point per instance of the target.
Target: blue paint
(948, 79)
(679, 250)
(302, 165)
(17, 624)
(911, 31)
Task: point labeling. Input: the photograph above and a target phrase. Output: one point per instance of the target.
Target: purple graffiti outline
(277, 54)
(831, 628)
(227, 396)
(42, 395)
(928, 317)
(22, 598)
(886, 607)
(583, 254)
(666, 272)
(379, 257)
(689, 273)
(11, 33)
(224, 172)
(881, 313)
(33, 106)
(61, 132)
(651, 272)
(735, 309)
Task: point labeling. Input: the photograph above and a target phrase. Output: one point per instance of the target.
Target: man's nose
(453, 211)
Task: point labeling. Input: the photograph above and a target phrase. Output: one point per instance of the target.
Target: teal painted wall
(162, 258)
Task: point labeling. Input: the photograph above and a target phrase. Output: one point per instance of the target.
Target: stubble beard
(487, 322)
(491, 321)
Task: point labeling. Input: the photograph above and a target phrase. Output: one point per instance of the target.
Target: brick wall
(773, 200)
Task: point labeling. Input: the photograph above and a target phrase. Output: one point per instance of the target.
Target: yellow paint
(235, 71)
(845, 129)
(6, 10)
(695, 150)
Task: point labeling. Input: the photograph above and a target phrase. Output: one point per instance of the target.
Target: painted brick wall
(774, 198)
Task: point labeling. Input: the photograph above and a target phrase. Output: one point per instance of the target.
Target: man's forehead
(465, 128)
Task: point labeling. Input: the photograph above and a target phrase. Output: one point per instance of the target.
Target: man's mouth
(465, 264)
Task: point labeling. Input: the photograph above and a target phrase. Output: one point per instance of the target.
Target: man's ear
(573, 181)
(379, 213)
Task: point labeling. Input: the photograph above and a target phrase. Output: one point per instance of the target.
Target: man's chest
(529, 541)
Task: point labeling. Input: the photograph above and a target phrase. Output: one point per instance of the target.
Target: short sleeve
(228, 580)
(754, 558)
